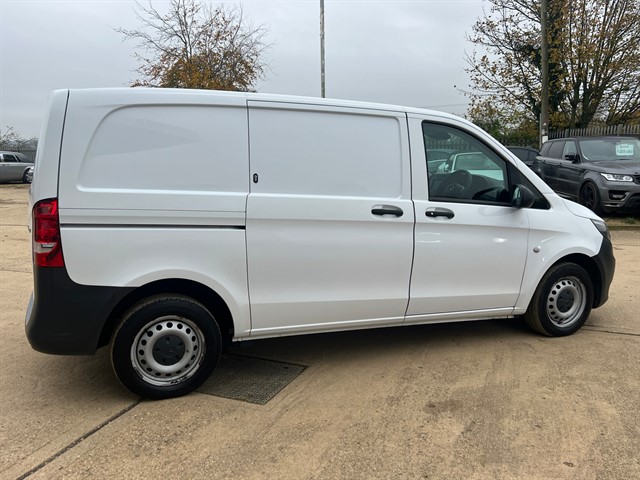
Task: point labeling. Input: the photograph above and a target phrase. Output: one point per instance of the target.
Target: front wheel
(590, 198)
(166, 346)
(562, 302)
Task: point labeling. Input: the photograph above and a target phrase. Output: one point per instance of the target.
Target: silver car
(15, 166)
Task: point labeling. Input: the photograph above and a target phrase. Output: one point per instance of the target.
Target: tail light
(47, 249)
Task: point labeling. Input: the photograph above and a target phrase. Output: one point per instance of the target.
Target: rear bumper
(67, 318)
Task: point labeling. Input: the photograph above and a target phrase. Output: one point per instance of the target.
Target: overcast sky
(400, 52)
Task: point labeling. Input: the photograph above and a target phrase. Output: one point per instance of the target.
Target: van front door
(329, 218)
(470, 244)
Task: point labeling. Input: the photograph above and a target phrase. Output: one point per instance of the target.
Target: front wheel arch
(562, 301)
(592, 269)
(594, 200)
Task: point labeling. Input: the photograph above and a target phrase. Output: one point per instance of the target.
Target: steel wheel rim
(168, 350)
(566, 301)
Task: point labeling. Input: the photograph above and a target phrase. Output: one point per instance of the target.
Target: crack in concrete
(592, 329)
(79, 440)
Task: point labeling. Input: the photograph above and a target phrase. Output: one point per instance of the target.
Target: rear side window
(555, 151)
(521, 153)
(544, 152)
(325, 152)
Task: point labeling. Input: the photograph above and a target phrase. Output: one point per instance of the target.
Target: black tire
(590, 198)
(188, 354)
(562, 302)
(24, 177)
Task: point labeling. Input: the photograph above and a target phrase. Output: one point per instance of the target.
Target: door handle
(387, 210)
(439, 212)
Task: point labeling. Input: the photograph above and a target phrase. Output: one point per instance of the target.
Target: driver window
(461, 168)
(569, 149)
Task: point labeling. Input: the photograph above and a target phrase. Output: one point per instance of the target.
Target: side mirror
(572, 157)
(521, 197)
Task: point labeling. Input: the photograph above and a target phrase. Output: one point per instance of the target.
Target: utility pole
(322, 48)
(544, 60)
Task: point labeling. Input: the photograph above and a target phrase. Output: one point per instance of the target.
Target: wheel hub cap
(167, 350)
(566, 301)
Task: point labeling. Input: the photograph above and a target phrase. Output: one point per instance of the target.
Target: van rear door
(329, 218)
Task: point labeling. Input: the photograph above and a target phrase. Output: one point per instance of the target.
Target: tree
(196, 45)
(509, 127)
(12, 140)
(594, 60)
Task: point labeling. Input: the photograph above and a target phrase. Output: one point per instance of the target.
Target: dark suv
(601, 173)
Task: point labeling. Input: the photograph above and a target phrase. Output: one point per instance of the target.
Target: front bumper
(623, 197)
(606, 263)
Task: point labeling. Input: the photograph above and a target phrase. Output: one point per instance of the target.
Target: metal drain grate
(253, 380)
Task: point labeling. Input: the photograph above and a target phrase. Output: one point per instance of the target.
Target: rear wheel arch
(210, 299)
(167, 345)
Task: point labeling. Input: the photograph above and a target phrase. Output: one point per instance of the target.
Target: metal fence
(30, 153)
(619, 130)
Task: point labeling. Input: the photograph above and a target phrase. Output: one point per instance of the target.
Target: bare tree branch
(197, 45)
(594, 49)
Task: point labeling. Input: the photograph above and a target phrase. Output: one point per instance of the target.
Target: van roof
(244, 96)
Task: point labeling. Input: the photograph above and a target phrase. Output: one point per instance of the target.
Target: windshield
(594, 150)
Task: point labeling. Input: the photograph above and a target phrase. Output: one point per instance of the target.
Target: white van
(166, 222)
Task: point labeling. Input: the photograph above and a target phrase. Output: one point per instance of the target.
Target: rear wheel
(562, 301)
(590, 198)
(166, 346)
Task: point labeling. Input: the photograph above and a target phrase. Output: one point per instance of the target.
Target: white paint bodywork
(317, 256)
(161, 184)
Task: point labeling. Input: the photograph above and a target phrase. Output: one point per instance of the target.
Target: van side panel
(153, 155)
(132, 256)
(153, 186)
(554, 237)
(320, 257)
(46, 169)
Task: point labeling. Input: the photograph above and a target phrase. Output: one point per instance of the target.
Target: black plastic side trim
(606, 263)
(66, 318)
(151, 226)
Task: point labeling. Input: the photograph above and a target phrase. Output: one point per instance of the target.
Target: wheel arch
(211, 300)
(592, 269)
(589, 177)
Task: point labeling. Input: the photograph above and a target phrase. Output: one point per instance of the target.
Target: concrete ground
(484, 400)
